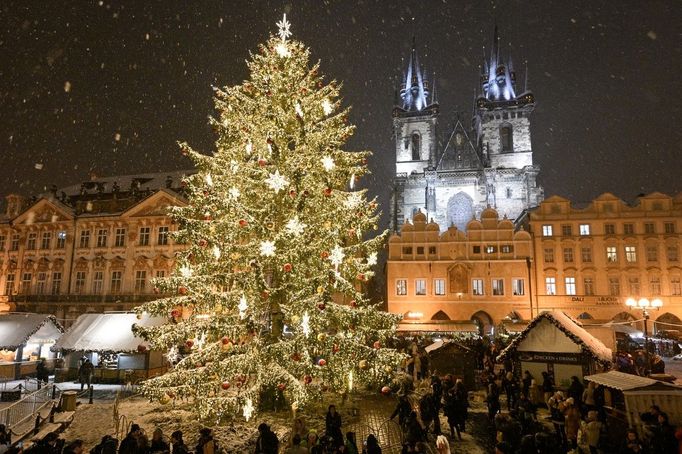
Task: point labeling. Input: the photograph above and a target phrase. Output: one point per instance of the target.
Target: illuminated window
(507, 248)
(498, 287)
(420, 287)
(162, 239)
(547, 230)
(490, 249)
(477, 286)
(102, 235)
(611, 254)
(588, 286)
(569, 282)
(630, 254)
(550, 285)
(61, 239)
(584, 229)
(518, 287)
(401, 287)
(439, 286)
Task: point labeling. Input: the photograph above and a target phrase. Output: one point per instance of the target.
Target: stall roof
(627, 382)
(105, 333)
(570, 328)
(445, 343)
(17, 328)
(442, 327)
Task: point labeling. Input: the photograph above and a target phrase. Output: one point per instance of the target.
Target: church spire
(499, 79)
(414, 91)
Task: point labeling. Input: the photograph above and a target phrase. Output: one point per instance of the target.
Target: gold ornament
(321, 337)
(363, 364)
(320, 290)
(163, 400)
(388, 369)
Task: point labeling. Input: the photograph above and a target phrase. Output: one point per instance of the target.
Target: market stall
(555, 343)
(25, 339)
(108, 342)
(448, 357)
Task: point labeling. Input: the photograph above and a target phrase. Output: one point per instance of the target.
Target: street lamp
(644, 304)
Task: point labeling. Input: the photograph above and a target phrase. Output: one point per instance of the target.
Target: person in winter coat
(572, 422)
(493, 401)
(179, 446)
(402, 410)
(632, 444)
(351, 444)
(108, 445)
(296, 447)
(526, 383)
(556, 406)
(575, 391)
(159, 443)
(429, 413)
(415, 432)
(85, 373)
(371, 445)
(267, 442)
(75, 447)
(333, 425)
(42, 373)
(129, 443)
(593, 431)
(664, 436)
(547, 386)
(588, 397)
(206, 444)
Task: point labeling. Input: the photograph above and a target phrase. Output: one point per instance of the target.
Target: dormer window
(506, 136)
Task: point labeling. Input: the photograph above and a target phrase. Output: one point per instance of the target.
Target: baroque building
(92, 247)
(452, 178)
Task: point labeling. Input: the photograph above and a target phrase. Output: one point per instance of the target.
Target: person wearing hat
(267, 442)
(129, 443)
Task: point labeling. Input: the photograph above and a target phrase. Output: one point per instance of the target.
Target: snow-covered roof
(105, 333)
(620, 380)
(444, 343)
(17, 328)
(571, 328)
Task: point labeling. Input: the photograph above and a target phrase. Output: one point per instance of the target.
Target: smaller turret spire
(434, 95)
(415, 89)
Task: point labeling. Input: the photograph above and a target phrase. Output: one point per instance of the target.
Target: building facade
(442, 280)
(452, 178)
(590, 260)
(92, 247)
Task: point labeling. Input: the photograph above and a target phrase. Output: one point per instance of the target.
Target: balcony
(82, 298)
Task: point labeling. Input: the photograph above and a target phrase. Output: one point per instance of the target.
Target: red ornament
(269, 141)
(377, 345)
(307, 379)
(157, 290)
(207, 217)
(324, 254)
(362, 277)
(175, 313)
(287, 267)
(306, 193)
(296, 357)
(189, 343)
(141, 348)
(265, 294)
(353, 303)
(243, 223)
(203, 243)
(281, 386)
(327, 192)
(171, 394)
(351, 232)
(322, 362)
(364, 161)
(292, 194)
(239, 384)
(321, 306)
(385, 390)
(225, 385)
(225, 340)
(335, 348)
(262, 162)
(182, 290)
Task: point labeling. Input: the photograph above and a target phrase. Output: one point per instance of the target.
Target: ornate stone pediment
(43, 211)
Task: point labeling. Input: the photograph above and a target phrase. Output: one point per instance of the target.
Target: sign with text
(548, 357)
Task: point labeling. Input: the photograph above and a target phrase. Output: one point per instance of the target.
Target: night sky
(108, 87)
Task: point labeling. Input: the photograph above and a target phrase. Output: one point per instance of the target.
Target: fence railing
(25, 409)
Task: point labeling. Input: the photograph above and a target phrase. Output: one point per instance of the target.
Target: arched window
(416, 147)
(506, 138)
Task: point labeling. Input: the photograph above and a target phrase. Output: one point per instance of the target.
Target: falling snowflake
(336, 256)
(234, 193)
(248, 409)
(353, 201)
(327, 107)
(277, 182)
(305, 324)
(284, 25)
(243, 306)
(295, 227)
(372, 259)
(328, 163)
(267, 248)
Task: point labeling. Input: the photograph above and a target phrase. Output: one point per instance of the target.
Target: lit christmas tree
(268, 297)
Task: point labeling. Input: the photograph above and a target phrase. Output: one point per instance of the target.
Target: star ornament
(372, 259)
(268, 248)
(277, 182)
(284, 28)
(353, 201)
(295, 227)
(327, 107)
(328, 163)
(234, 193)
(337, 256)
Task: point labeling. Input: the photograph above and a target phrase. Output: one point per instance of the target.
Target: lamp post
(644, 304)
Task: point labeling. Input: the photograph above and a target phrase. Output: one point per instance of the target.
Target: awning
(439, 327)
(620, 380)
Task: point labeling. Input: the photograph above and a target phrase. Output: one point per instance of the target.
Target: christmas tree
(268, 296)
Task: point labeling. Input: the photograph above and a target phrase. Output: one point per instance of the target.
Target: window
(655, 285)
(61, 240)
(439, 286)
(40, 283)
(630, 254)
(518, 287)
(609, 229)
(9, 284)
(144, 236)
(401, 287)
(56, 283)
(80, 281)
(407, 250)
(432, 250)
(652, 253)
(416, 147)
(31, 242)
(26, 283)
(120, 238)
(420, 287)
(568, 255)
(549, 255)
(584, 229)
(614, 286)
(2, 242)
(140, 281)
(629, 229)
(566, 230)
(506, 139)
(14, 246)
(490, 249)
(586, 254)
(160, 274)
(507, 248)
(498, 287)
(477, 286)
(550, 285)
(476, 249)
(669, 227)
(649, 228)
(509, 193)
(97, 282)
(633, 285)
(46, 240)
(588, 286)
(672, 253)
(570, 285)
(102, 237)
(85, 239)
(162, 239)
(611, 254)
(420, 250)
(116, 281)
(675, 287)
(547, 230)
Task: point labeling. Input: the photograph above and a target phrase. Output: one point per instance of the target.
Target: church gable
(43, 210)
(459, 153)
(158, 204)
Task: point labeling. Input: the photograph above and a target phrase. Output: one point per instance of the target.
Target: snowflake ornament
(299, 110)
(277, 182)
(268, 248)
(337, 256)
(372, 259)
(305, 324)
(248, 409)
(352, 182)
(327, 107)
(234, 193)
(216, 252)
(328, 163)
(242, 306)
(209, 180)
(185, 271)
(249, 147)
(295, 227)
(284, 28)
(353, 201)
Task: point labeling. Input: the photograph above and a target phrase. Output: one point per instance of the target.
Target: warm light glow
(643, 302)
(657, 303)
(631, 302)
(414, 315)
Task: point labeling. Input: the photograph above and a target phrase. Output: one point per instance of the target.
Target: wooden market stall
(108, 342)
(448, 357)
(25, 339)
(556, 343)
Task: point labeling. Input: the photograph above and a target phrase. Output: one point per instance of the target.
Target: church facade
(488, 163)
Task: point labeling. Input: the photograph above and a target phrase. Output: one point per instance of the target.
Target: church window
(506, 139)
(416, 147)
(509, 193)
